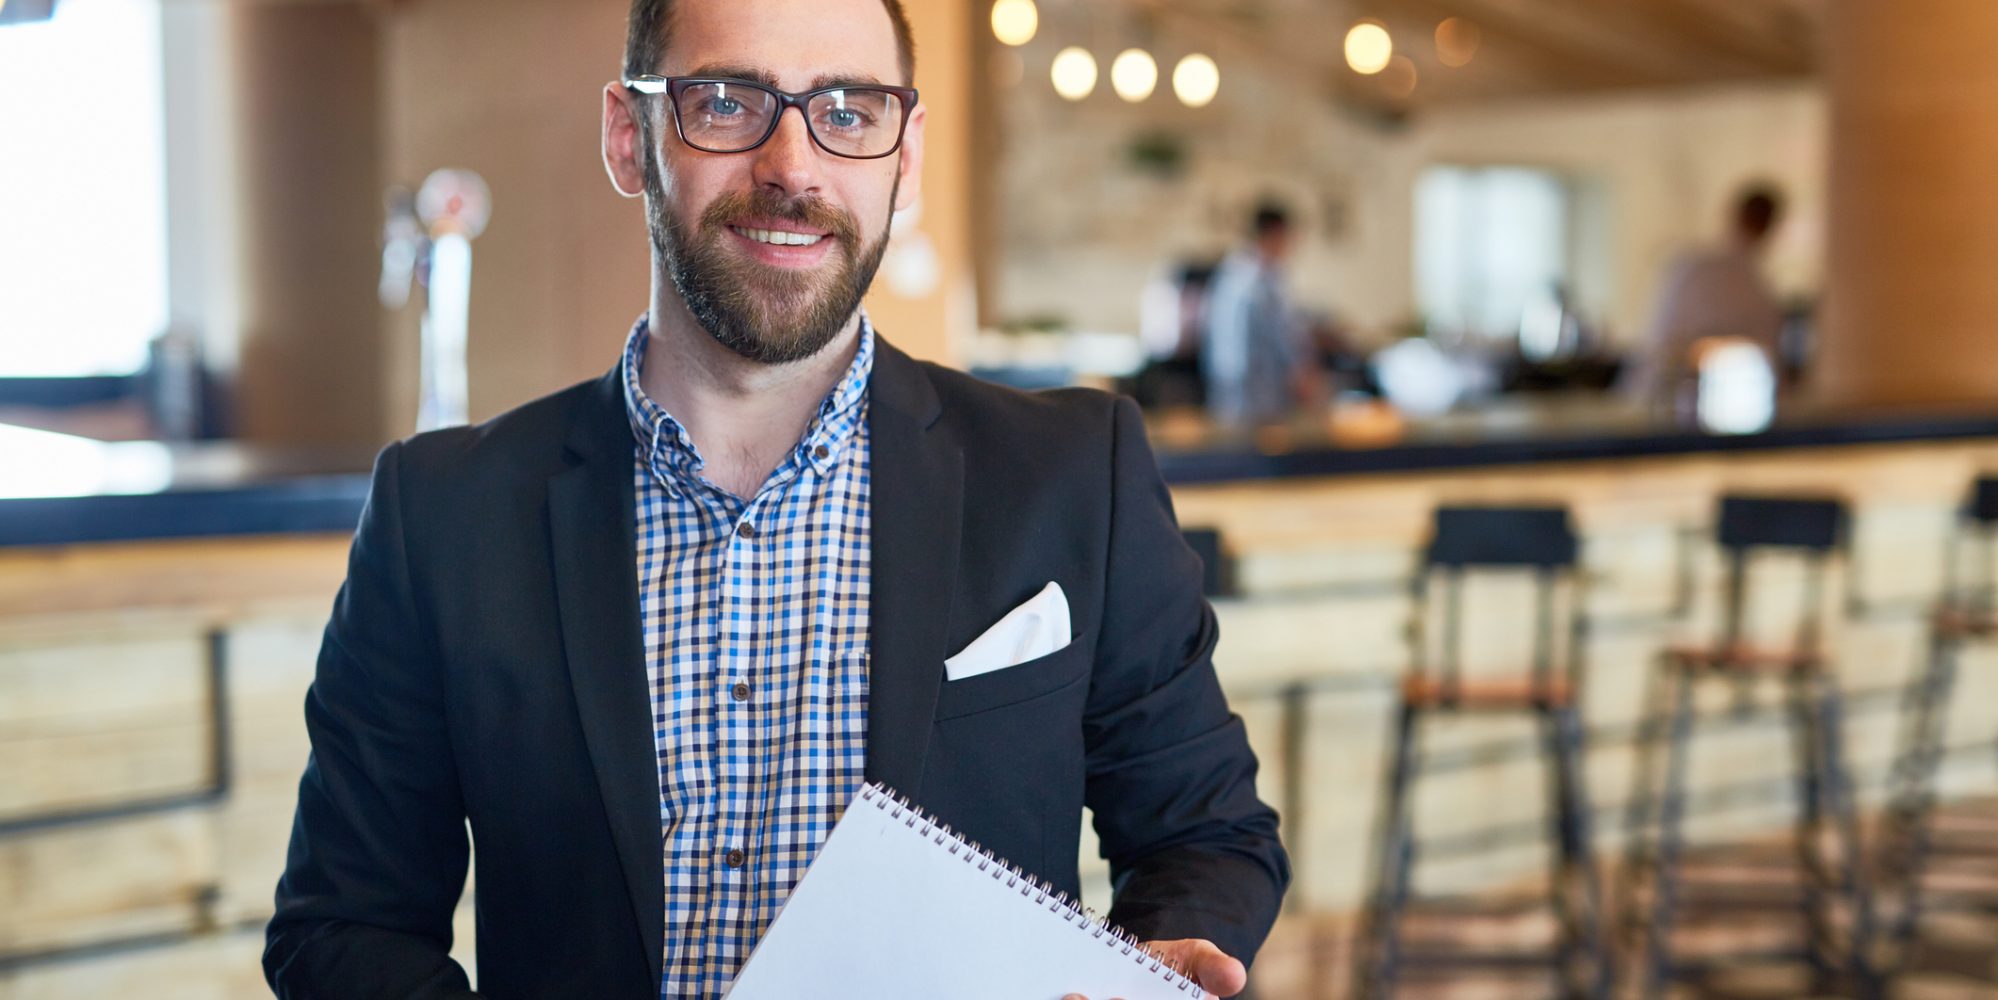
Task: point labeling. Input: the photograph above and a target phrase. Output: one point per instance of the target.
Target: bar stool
(1538, 541)
(1815, 529)
(1966, 614)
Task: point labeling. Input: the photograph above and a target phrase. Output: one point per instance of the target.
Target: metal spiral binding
(1029, 887)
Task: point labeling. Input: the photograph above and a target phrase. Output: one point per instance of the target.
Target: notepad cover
(897, 906)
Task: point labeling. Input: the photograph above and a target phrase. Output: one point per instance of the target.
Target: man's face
(721, 223)
(1274, 243)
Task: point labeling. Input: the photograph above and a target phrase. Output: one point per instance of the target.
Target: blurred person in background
(1717, 292)
(1251, 355)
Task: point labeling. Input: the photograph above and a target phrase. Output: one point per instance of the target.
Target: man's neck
(744, 416)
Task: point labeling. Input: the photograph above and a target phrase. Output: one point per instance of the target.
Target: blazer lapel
(917, 502)
(590, 518)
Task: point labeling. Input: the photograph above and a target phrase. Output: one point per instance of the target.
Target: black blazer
(483, 662)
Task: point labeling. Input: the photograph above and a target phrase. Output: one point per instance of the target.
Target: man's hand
(1202, 962)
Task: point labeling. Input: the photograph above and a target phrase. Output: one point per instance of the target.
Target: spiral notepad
(896, 905)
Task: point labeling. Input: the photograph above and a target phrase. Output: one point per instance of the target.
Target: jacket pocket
(1020, 682)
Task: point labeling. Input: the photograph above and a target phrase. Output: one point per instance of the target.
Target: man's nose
(789, 161)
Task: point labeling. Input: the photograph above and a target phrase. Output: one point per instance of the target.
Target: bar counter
(161, 607)
(59, 490)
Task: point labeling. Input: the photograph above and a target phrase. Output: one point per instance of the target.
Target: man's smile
(782, 244)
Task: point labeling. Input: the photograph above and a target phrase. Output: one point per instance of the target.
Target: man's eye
(844, 118)
(725, 106)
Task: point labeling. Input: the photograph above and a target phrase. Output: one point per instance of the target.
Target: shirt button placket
(742, 566)
(729, 825)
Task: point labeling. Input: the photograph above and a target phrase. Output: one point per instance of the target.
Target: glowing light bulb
(1133, 74)
(1014, 22)
(1195, 80)
(1074, 73)
(1368, 47)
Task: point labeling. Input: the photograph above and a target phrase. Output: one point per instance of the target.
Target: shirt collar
(670, 450)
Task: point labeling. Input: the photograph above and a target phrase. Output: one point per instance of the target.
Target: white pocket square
(1028, 632)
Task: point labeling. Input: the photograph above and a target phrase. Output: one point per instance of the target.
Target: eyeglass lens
(731, 117)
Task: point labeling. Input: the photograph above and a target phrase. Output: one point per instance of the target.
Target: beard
(765, 314)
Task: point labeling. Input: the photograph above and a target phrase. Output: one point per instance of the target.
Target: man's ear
(911, 164)
(624, 149)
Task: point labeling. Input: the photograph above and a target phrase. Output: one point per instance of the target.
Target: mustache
(764, 203)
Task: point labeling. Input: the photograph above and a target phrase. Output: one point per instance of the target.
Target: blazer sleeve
(1171, 779)
(378, 844)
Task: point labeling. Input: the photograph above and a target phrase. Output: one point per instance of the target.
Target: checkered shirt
(755, 629)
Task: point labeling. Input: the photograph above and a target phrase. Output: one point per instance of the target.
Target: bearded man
(646, 637)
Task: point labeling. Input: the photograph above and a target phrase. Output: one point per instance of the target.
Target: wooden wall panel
(1913, 214)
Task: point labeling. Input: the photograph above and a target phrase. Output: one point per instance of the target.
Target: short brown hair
(645, 38)
(1758, 209)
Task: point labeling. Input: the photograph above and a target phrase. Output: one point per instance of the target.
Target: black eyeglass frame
(674, 86)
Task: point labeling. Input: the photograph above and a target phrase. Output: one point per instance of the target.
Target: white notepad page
(895, 906)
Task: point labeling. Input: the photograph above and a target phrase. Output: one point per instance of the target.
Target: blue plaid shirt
(755, 627)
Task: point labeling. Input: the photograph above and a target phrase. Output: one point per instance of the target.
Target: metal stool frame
(1967, 613)
(1815, 528)
(1541, 542)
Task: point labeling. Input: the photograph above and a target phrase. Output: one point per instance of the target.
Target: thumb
(1205, 964)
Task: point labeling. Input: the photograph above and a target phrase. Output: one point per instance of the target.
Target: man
(1717, 293)
(1251, 357)
(647, 636)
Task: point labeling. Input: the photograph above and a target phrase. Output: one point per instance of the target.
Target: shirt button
(747, 531)
(736, 859)
(741, 692)
(819, 451)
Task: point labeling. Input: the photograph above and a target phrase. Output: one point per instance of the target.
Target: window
(83, 272)
(1491, 244)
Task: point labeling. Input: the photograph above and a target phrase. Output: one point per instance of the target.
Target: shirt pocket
(1020, 682)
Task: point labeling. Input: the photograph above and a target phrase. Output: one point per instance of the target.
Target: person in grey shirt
(1250, 350)
(1719, 292)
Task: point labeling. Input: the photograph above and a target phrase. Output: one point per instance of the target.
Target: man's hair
(1270, 217)
(651, 20)
(1758, 209)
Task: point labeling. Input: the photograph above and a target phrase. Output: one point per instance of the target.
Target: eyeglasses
(734, 116)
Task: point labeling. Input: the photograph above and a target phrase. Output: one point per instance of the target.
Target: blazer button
(741, 692)
(736, 859)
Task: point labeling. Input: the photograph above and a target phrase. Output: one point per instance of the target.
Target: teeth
(778, 238)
